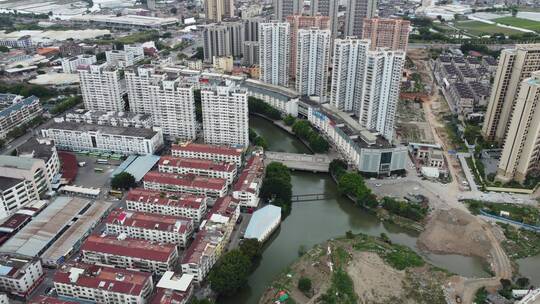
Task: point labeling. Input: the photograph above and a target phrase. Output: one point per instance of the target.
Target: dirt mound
(455, 232)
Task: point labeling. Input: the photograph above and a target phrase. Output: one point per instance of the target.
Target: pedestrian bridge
(303, 162)
(310, 197)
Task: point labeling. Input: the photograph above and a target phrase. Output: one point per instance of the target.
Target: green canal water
(314, 222)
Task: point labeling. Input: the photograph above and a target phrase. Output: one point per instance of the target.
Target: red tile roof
(192, 147)
(224, 205)
(187, 180)
(165, 198)
(194, 163)
(168, 296)
(129, 247)
(104, 278)
(16, 221)
(150, 221)
(254, 169)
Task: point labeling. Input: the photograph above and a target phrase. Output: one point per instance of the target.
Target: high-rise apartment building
(129, 56)
(102, 87)
(387, 33)
(313, 55)
(367, 83)
(348, 73)
(217, 10)
(251, 53)
(298, 22)
(169, 100)
(378, 106)
(521, 148)
(328, 8)
(224, 39)
(284, 8)
(251, 25)
(515, 65)
(225, 115)
(274, 49)
(357, 10)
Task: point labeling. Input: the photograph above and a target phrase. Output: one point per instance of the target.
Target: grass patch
(520, 22)
(398, 256)
(341, 291)
(520, 243)
(478, 28)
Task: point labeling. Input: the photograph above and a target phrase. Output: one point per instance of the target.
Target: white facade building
(45, 150)
(125, 253)
(16, 111)
(274, 48)
(202, 151)
(201, 167)
(381, 93)
(225, 115)
(184, 205)
(70, 65)
(367, 83)
(20, 275)
(86, 137)
(129, 56)
(190, 184)
(348, 73)
(103, 284)
(102, 88)
(170, 102)
(312, 58)
(247, 187)
(151, 227)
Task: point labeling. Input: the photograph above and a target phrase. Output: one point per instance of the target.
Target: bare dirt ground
(456, 231)
(374, 280)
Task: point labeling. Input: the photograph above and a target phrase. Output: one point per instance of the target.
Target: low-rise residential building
(103, 284)
(129, 56)
(201, 167)
(20, 275)
(129, 22)
(16, 111)
(211, 152)
(22, 181)
(45, 150)
(129, 253)
(211, 240)
(175, 204)
(148, 226)
(114, 119)
(173, 288)
(17, 42)
(247, 187)
(462, 97)
(71, 65)
(436, 159)
(123, 140)
(190, 183)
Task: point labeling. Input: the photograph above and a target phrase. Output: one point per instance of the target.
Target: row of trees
(232, 270)
(66, 104)
(258, 106)
(26, 90)
(303, 129)
(277, 187)
(352, 184)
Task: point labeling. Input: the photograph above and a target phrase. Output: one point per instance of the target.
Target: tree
(349, 182)
(289, 120)
(304, 284)
(252, 248)
(277, 186)
(174, 10)
(200, 53)
(337, 168)
(4, 49)
(123, 181)
(203, 301)
(230, 273)
(523, 282)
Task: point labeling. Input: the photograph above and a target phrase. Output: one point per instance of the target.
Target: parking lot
(89, 177)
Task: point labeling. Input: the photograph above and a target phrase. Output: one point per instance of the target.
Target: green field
(478, 28)
(519, 22)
